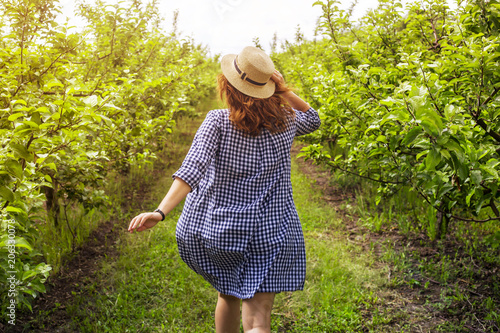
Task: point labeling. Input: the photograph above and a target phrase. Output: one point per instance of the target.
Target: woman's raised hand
(144, 221)
(280, 82)
(281, 88)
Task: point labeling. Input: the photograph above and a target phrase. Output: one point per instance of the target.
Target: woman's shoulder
(219, 116)
(218, 113)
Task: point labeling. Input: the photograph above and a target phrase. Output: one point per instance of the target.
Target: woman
(239, 228)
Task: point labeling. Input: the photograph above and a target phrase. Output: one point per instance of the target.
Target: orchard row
(410, 100)
(77, 105)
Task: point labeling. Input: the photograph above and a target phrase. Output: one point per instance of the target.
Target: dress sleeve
(202, 151)
(306, 122)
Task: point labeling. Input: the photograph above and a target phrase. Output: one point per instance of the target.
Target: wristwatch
(157, 210)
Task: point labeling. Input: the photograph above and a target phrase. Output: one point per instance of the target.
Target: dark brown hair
(250, 114)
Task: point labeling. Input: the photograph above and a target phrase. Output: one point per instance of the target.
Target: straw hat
(250, 72)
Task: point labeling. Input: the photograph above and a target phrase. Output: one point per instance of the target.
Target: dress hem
(234, 294)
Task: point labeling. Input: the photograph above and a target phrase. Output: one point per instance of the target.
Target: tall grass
(57, 244)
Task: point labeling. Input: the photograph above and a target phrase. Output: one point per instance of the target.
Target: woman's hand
(144, 221)
(280, 82)
(176, 193)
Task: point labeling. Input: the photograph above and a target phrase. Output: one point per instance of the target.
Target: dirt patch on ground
(49, 311)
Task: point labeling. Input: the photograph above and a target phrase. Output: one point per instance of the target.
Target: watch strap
(157, 210)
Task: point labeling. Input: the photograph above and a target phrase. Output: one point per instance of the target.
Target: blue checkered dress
(239, 228)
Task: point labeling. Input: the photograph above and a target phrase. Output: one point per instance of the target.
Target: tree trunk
(52, 204)
(442, 222)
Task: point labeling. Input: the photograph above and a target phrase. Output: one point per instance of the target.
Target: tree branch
(74, 95)
(149, 57)
(47, 69)
(430, 93)
(475, 221)
(361, 176)
(495, 91)
(494, 208)
(491, 133)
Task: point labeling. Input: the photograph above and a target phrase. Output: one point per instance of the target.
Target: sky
(227, 26)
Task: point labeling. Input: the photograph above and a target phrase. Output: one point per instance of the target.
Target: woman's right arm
(293, 100)
(307, 121)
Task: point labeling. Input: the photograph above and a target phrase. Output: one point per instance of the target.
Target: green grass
(148, 289)
(341, 279)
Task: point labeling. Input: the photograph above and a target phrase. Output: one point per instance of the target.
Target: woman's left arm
(188, 177)
(177, 192)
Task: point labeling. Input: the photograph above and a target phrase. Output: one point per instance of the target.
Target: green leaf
(432, 159)
(30, 292)
(411, 136)
(112, 106)
(53, 83)
(396, 115)
(422, 154)
(37, 285)
(21, 242)
(431, 126)
(389, 101)
(43, 269)
(453, 146)
(479, 204)
(24, 300)
(28, 274)
(14, 116)
(444, 189)
(445, 153)
(476, 177)
(43, 109)
(443, 138)
(21, 151)
(450, 111)
(469, 196)
(14, 209)
(136, 131)
(30, 123)
(51, 165)
(463, 171)
(14, 168)
(90, 101)
(492, 163)
(19, 101)
(6, 193)
(490, 170)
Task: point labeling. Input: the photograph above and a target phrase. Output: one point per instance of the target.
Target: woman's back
(242, 204)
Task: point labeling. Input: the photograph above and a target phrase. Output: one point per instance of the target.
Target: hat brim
(227, 65)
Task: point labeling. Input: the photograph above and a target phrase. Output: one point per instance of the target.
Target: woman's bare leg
(227, 314)
(256, 313)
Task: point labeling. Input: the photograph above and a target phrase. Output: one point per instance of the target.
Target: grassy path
(357, 280)
(149, 289)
